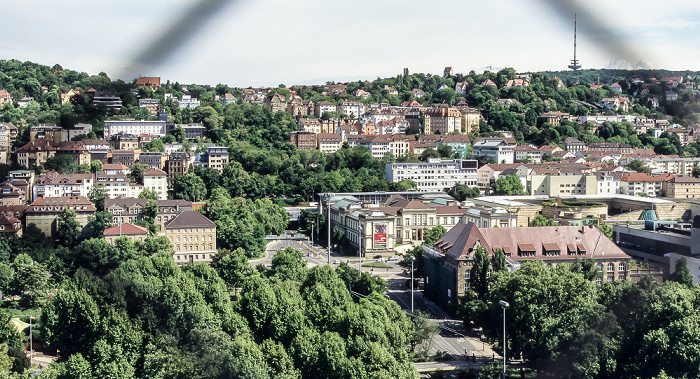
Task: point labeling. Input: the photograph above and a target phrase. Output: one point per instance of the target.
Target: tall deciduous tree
(682, 274)
(479, 276)
(68, 229)
(97, 195)
(508, 185)
(189, 187)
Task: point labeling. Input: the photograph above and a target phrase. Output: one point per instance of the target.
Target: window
(621, 267)
(599, 281)
(466, 286)
(611, 278)
(467, 274)
(611, 267)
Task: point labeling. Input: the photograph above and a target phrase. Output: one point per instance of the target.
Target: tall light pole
(413, 258)
(504, 305)
(328, 221)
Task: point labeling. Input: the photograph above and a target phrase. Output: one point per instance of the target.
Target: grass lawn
(376, 265)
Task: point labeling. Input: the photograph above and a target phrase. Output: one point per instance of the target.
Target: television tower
(574, 62)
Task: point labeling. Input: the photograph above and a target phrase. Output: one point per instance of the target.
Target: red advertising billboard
(380, 235)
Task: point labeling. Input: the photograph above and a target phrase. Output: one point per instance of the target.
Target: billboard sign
(379, 235)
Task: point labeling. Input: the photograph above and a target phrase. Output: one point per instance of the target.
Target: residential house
(193, 237)
(96, 144)
(276, 102)
(152, 82)
(312, 125)
(192, 130)
(5, 97)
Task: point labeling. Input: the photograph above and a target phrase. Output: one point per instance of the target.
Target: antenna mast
(574, 62)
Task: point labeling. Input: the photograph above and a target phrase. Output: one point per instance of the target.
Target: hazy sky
(268, 42)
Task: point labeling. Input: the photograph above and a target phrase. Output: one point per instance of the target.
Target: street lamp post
(504, 305)
(412, 259)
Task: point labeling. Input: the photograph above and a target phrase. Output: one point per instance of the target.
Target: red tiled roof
(125, 229)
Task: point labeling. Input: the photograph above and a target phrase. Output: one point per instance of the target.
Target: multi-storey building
(126, 157)
(682, 187)
(115, 184)
(276, 102)
(152, 105)
(51, 132)
(323, 107)
(449, 260)
(193, 237)
(303, 140)
(14, 192)
(156, 180)
(329, 142)
(44, 211)
(134, 128)
(436, 174)
(188, 102)
(128, 209)
(217, 157)
(638, 183)
(123, 141)
(559, 185)
(35, 153)
(352, 109)
(498, 149)
(379, 145)
(53, 184)
(153, 159)
(192, 130)
(179, 163)
(444, 120)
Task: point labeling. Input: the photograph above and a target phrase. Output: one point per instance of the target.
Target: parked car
(394, 258)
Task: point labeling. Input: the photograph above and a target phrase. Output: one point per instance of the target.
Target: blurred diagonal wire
(597, 30)
(177, 34)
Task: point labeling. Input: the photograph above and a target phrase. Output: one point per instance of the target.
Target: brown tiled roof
(415, 204)
(125, 229)
(684, 179)
(460, 240)
(449, 210)
(154, 172)
(190, 219)
(64, 201)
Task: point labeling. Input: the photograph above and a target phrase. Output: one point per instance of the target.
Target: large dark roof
(190, 219)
